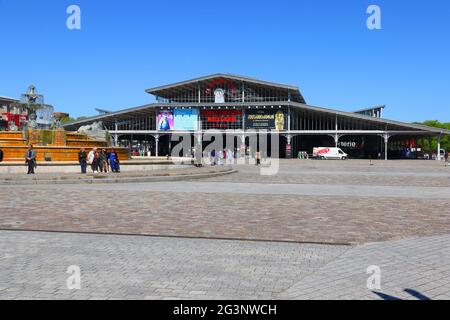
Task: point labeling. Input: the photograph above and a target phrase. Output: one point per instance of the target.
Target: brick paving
(398, 213)
(354, 172)
(33, 265)
(413, 269)
(354, 212)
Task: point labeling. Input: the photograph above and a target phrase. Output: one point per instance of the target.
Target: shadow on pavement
(411, 292)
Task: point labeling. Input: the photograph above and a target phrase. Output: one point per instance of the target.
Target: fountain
(43, 130)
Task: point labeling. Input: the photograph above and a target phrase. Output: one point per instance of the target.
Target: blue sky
(322, 46)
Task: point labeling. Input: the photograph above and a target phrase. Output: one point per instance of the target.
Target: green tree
(445, 140)
(70, 119)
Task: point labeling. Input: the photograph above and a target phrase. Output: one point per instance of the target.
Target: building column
(157, 145)
(116, 136)
(336, 140)
(198, 141)
(386, 142)
(170, 146)
(430, 151)
(289, 119)
(438, 156)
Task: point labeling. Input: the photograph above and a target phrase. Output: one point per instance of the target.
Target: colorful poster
(186, 119)
(165, 120)
(265, 119)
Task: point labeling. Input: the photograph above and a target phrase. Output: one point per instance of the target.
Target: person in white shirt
(93, 160)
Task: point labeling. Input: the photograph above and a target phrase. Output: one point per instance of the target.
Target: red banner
(218, 116)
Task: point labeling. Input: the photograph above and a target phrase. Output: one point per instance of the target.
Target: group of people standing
(102, 161)
(222, 157)
(228, 157)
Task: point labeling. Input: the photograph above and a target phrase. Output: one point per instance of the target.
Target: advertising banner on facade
(186, 119)
(165, 120)
(265, 119)
(221, 119)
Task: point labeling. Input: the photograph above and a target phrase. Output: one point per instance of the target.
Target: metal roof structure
(297, 102)
(369, 109)
(172, 89)
(8, 99)
(151, 109)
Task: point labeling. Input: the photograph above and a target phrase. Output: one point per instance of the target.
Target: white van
(324, 153)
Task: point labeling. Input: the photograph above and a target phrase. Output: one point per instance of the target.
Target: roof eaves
(379, 120)
(3, 98)
(111, 114)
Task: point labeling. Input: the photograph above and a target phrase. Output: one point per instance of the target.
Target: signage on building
(18, 120)
(221, 116)
(165, 120)
(185, 119)
(265, 119)
(221, 119)
(352, 144)
(219, 96)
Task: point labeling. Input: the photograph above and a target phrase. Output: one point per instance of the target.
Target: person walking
(446, 158)
(30, 159)
(1, 155)
(213, 157)
(114, 161)
(82, 159)
(93, 160)
(258, 158)
(230, 157)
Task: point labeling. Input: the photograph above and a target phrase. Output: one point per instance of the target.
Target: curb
(350, 245)
(94, 180)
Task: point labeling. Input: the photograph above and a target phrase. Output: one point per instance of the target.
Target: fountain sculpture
(44, 131)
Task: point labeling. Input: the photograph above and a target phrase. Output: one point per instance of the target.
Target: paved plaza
(34, 265)
(332, 202)
(309, 232)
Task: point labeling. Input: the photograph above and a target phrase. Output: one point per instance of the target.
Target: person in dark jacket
(114, 161)
(103, 161)
(30, 159)
(82, 159)
(1, 155)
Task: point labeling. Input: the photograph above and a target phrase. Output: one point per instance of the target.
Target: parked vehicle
(324, 153)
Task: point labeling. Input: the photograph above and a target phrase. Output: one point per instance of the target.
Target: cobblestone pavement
(357, 204)
(414, 269)
(352, 172)
(33, 266)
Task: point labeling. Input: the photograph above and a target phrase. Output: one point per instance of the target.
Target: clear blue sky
(322, 46)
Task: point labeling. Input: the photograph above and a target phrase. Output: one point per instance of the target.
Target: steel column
(438, 157)
(156, 145)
